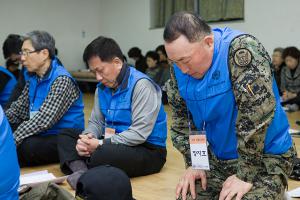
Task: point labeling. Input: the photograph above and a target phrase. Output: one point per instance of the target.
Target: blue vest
(211, 99)
(9, 168)
(116, 108)
(38, 91)
(9, 87)
(26, 74)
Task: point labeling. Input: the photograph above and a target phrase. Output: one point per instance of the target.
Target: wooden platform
(161, 185)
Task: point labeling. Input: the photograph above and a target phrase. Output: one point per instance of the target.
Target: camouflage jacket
(255, 110)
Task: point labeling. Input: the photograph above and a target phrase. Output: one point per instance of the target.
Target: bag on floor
(46, 191)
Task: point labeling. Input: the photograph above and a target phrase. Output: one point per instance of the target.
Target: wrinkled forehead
(27, 45)
(179, 48)
(94, 61)
(277, 53)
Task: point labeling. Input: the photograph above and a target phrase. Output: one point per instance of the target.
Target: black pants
(38, 150)
(135, 161)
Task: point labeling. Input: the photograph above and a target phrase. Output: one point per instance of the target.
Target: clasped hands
(86, 144)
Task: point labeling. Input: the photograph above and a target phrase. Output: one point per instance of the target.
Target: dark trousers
(135, 161)
(38, 150)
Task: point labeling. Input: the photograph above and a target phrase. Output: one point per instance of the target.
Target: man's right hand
(187, 181)
(81, 147)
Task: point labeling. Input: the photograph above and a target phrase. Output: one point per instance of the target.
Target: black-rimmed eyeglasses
(27, 53)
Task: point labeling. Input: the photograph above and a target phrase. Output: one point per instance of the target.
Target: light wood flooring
(161, 185)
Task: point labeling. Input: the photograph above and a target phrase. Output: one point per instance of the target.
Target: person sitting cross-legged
(127, 111)
(50, 103)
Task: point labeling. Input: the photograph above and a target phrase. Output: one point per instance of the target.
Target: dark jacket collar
(123, 76)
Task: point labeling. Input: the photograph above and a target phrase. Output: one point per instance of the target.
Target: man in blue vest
(50, 103)
(9, 168)
(7, 84)
(127, 112)
(11, 48)
(222, 87)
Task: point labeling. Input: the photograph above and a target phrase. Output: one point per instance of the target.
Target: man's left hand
(234, 187)
(91, 143)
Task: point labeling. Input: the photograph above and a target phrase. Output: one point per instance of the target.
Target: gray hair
(41, 40)
(191, 25)
(278, 49)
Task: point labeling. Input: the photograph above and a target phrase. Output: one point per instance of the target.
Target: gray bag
(47, 191)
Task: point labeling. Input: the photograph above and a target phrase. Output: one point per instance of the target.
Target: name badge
(199, 153)
(109, 132)
(32, 114)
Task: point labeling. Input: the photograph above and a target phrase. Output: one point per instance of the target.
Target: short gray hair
(188, 24)
(41, 40)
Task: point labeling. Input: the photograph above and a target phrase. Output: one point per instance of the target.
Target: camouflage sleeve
(179, 127)
(252, 85)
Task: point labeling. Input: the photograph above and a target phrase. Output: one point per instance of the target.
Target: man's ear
(209, 40)
(45, 53)
(117, 61)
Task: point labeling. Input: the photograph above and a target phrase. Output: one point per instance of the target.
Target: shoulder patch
(242, 57)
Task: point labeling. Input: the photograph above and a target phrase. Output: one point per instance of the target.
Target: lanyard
(112, 121)
(202, 114)
(108, 112)
(34, 95)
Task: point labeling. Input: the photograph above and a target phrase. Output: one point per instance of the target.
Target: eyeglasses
(27, 53)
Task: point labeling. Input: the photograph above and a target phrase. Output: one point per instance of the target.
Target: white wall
(128, 23)
(274, 22)
(66, 20)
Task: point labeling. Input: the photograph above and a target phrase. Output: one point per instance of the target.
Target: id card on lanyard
(108, 131)
(198, 147)
(198, 142)
(33, 112)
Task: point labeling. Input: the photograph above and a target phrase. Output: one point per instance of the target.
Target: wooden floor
(161, 185)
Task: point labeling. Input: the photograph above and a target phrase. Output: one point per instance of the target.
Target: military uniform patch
(242, 57)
